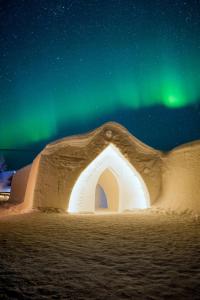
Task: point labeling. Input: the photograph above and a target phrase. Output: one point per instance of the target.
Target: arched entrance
(107, 193)
(120, 182)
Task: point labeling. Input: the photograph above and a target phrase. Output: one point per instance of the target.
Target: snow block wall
(181, 179)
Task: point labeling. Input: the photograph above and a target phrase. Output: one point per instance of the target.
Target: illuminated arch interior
(107, 192)
(110, 176)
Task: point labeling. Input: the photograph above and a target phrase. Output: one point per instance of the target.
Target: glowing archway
(133, 192)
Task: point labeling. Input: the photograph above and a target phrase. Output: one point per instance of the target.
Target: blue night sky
(67, 66)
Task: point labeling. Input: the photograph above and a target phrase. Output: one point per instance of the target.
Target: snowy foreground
(129, 256)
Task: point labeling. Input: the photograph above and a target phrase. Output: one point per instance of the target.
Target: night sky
(68, 66)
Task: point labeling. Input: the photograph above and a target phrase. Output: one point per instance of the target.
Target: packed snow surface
(120, 256)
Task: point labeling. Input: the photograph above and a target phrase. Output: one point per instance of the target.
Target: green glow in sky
(41, 107)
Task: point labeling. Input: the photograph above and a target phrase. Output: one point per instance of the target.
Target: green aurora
(43, 104)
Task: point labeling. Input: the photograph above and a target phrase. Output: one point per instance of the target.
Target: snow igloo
(109, 170)
(106, 170)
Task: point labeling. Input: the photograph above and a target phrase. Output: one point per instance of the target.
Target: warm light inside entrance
(107, 192)
(122, 185)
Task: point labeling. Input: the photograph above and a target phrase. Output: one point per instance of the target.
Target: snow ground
(121, 256)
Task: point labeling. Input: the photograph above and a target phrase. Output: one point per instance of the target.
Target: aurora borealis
(67, 66)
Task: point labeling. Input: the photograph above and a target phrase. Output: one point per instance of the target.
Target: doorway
(107, 192)
(120, 185)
